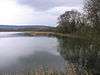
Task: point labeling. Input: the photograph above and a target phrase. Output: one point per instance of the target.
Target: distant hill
(26, 28)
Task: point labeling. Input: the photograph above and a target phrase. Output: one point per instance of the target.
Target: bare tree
(70, 21)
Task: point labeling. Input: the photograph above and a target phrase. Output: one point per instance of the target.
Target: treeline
(85, 22)
(27, 28)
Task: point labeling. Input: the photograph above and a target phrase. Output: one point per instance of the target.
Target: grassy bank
(38, 33)
(92, 37)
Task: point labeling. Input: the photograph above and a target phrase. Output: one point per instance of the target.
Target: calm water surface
(28, 52)
(19, 52)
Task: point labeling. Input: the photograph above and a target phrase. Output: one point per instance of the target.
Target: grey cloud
(47, 4)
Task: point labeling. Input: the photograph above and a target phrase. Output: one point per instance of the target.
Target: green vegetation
(85, 24)
(81, 54)
(81, 24)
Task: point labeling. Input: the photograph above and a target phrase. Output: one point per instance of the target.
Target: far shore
(51, 33)
(48, 33)
(54, 33)
(45, 33)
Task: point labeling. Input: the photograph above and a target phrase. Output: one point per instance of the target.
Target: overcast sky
(35, 12)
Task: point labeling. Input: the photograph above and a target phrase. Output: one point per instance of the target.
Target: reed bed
(71, 69)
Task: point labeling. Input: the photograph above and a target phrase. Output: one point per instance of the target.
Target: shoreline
(41, 33)
(48, 33)
(54, 33)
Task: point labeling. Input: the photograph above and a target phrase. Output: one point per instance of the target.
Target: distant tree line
(87, 21)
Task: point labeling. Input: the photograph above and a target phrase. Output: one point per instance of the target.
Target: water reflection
(25, 53)
(82, 55)
(22, 53)
(13, 34)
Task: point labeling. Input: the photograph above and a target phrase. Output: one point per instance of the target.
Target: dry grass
(41, 33)
(71, 69)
